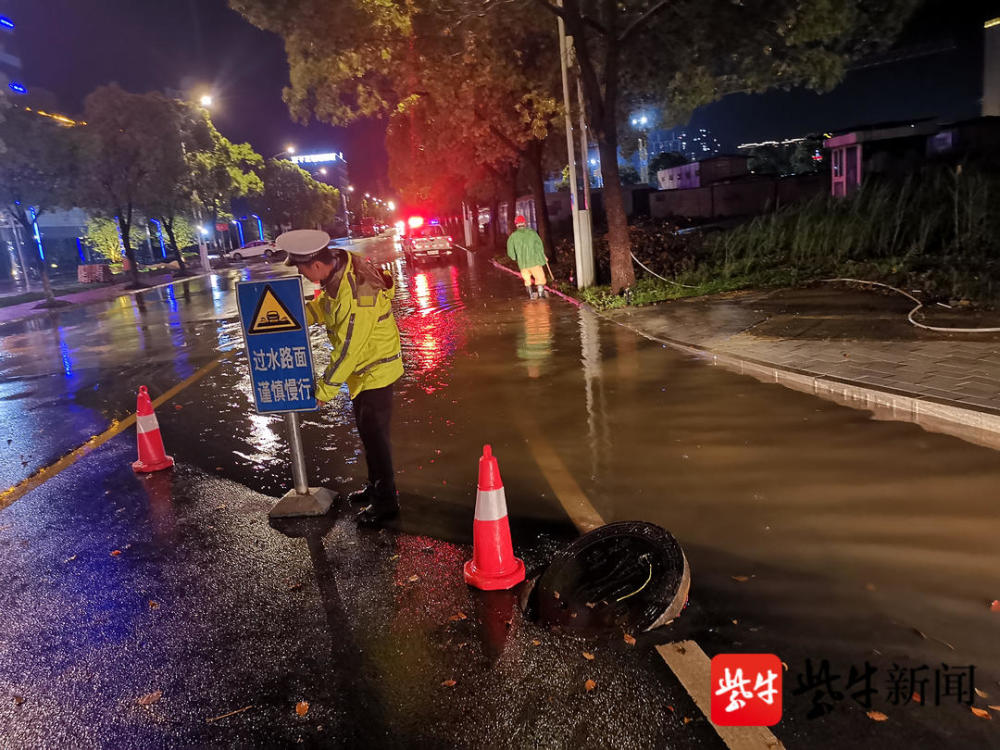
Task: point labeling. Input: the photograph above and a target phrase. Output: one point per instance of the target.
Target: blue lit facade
(11, 74)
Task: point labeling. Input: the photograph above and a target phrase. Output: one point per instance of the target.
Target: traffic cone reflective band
(152, 457)
(493, 565)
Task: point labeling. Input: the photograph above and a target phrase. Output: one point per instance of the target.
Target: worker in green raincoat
(525, 246)
(356, 307)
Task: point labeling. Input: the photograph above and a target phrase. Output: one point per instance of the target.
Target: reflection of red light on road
(423, 291)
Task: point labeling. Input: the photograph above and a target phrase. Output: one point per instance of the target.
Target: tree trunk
(125, 227)
(169, 226)
(36, 258)
(622, 271)
(50, 298)
(534, 157)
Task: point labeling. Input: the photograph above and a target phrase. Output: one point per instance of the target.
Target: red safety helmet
(520, 221)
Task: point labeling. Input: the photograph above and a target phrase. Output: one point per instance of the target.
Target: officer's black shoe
(362, 496)
(376, 513)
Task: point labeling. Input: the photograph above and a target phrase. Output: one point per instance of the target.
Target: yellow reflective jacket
(356, 308)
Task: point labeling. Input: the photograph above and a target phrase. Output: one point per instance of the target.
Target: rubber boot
(384, 505)
(531, 292)
(541, 291)
(362, 496)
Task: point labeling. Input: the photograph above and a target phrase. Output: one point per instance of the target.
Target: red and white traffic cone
(152, 457)
(493, 565)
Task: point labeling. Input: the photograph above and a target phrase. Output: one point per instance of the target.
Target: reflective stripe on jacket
(356, 309)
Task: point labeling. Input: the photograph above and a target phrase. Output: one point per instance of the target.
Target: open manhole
(630, 575)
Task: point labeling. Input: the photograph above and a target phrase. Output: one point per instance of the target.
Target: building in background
(329, 167)
(696, 145)
(11, 74)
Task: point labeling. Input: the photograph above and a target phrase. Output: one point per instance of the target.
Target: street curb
(980, 426)
(121, 293)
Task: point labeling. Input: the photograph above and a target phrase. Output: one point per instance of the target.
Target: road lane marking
(685, 659)
(693, 667)
(12, 494)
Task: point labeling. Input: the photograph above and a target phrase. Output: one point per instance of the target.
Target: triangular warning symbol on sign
(271, 316)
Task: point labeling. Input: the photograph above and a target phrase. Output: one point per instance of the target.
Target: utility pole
(581, 272)
(586, 275)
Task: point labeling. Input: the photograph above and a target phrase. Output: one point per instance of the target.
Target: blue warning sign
(273, 318)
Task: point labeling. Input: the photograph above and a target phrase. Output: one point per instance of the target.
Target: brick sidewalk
(838, 333)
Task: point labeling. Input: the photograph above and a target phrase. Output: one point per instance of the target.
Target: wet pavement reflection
(812, 530)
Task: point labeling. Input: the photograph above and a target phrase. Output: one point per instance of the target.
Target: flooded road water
(813, 531)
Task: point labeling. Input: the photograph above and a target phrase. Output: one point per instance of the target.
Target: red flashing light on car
(415, 221)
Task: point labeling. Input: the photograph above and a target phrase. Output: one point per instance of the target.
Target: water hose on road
(920, 305)
(669, 281)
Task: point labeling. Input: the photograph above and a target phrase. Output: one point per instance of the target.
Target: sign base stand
(293, 504)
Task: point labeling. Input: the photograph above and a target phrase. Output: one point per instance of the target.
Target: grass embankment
(937, 232)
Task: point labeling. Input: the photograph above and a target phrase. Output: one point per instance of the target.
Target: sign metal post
(273, 318)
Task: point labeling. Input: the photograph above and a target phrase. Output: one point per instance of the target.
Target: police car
(426, 242)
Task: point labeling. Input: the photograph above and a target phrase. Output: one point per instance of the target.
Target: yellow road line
(8, 496)
(685, 659)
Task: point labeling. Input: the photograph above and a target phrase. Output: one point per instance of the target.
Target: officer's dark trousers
(373, 415)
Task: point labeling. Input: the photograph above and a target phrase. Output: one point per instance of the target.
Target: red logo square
(746, 690)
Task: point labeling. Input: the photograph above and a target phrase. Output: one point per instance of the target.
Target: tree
(468, 85)
(628, 174)
(130, 140)
(716, 47)
(102, 237)
(221, 170)
(37, 172)
(291, 198)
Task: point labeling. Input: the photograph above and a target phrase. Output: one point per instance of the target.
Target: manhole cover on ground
(630, 575)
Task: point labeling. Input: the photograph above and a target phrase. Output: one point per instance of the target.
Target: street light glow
(350, 188)
(322, 170)
(290, 149)
(206, 100)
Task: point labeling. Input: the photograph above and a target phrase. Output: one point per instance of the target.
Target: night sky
(71, 46)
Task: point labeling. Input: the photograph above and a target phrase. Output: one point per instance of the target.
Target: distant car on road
(258, 249)
(427, 242)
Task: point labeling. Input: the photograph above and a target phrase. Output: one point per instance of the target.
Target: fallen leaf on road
(994, 708)
(916, 697)
(877, 716)
(154, 605)
(982, 694)
(555, 594)
(687, 719)
(394, 557)
(448, 683)
(740, 579)
(920, 633)
(413, 578)
(18, 700)
(784, 666)
(591, 604)
(294, 586)
(536, 642)
(629, 639)
(458, 616)
(150, 698)
(115, 552)
(670, 709)
(177, 407)
(981, 713)
(589, 685)
(302, 708)
(869, 586)
(995, 605)
(588, 656)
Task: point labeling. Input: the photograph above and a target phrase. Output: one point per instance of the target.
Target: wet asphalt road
(859, 540)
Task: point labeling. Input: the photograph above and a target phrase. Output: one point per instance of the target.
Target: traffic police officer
(356, 307)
